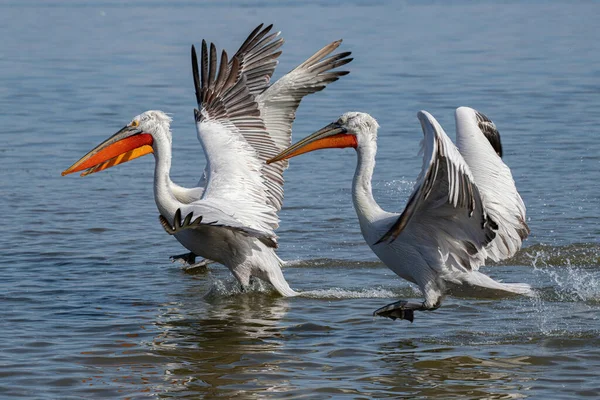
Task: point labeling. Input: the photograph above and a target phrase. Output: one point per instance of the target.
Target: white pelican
(258, 59)
(241, 122)
(464, 207)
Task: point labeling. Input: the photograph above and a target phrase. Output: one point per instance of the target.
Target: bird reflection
(422, 370)
(218, 341)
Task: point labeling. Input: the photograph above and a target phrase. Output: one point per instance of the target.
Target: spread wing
(479, 143)
(232, 134)
(279, 102)
(258, 58)
(445, 210)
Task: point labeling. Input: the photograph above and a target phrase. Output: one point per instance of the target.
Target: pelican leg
(185, 258)
(189, 262)
(247, 288)
(403, 310)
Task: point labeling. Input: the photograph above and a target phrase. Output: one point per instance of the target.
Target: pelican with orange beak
(129, 143)
(464, 207)
(241, 121)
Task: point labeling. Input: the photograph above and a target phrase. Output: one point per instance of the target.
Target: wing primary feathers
(178, 224)
(489, 130)
(235, 100)
(204, 70)
(252, 39)
(223, 69)
(213, 65)
(266, 49)
(235, 66)
(195, 73)
(332, 62)
(320, 54)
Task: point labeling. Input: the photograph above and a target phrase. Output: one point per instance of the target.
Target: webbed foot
(200, 266)
(401, 310)
(189, 262)
(185, 258)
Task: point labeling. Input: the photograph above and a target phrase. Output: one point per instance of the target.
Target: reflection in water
(423, 371)
(221, 344)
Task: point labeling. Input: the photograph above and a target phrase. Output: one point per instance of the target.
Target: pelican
(241, 121)
(258, 59)
(464, 207)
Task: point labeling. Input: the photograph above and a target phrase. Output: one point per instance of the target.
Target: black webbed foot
(185, 258)
(200, 266)
(189, 263)
(402, 310)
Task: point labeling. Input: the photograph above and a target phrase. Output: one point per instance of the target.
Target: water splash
(371, 293)
(231, 287)
(570, 283)
(567, 300)
(582, 254)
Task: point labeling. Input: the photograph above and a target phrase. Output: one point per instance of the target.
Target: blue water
(91, 306)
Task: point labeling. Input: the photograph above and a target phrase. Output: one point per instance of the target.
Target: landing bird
(464, 207)
(241, 122)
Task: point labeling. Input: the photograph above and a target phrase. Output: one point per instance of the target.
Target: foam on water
(340, 293)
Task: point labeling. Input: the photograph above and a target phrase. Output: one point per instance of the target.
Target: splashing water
(231, 287)
(566, 292)
(569, 283)
(339, 293)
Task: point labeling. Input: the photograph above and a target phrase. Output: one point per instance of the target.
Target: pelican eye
(135, 123)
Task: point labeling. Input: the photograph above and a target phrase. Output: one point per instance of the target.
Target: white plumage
(464, 208)
(241, 122)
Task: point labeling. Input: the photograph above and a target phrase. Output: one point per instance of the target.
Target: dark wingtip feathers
(195, 73)
(490, 131)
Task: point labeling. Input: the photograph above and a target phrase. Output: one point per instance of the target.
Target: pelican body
(464, 207)
(241, 121)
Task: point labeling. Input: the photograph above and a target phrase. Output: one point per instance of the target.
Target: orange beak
(333, 136)
(127, 144)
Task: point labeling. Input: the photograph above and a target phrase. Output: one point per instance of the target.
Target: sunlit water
(92, 307)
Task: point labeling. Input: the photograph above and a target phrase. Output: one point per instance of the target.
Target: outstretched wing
(258, 57)
(479, 143)
(232, 133)
(278, 105)
(445, 210)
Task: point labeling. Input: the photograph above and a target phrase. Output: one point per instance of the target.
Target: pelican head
(134, 140)
(352, 129)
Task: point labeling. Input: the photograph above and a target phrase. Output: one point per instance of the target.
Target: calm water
(91, 306)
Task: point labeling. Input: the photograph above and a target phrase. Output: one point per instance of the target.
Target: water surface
(92, 307)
